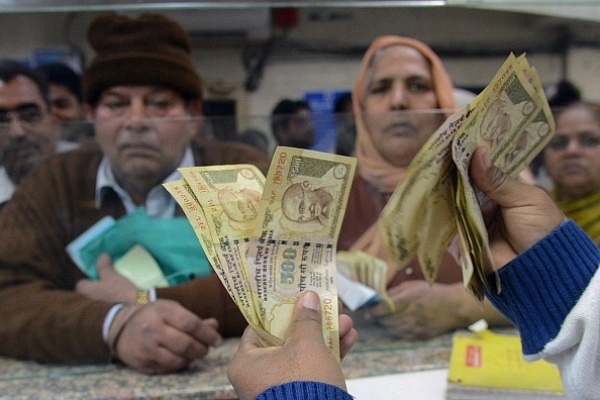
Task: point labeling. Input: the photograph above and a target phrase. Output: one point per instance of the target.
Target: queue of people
(143, 98)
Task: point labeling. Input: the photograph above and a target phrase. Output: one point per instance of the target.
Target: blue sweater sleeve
(304, 390)
(539, 288)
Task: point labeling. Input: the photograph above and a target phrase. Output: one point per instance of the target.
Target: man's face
(300, 130)
(64, 105)
(573, 154)
(27, 137)
(144, 131)
(399, 89)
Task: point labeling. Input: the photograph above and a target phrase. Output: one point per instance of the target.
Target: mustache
(15, 144)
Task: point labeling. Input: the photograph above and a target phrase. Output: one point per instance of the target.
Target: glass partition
(232, 116)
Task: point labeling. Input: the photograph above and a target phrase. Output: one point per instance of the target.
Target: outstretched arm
(551, 289)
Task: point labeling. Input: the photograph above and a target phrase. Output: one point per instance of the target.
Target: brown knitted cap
(151, 49)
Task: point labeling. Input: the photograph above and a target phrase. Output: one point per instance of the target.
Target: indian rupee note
(513, 119)
(203, 196)
(436, 200)
(419, 217)
(294, 245)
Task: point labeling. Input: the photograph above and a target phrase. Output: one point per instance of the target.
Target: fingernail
(310, 300)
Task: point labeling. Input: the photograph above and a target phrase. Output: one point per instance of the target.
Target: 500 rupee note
(436, 200)
(513, 119)
(302, 209)
(271, 239)
(205, 194)
(419, 217)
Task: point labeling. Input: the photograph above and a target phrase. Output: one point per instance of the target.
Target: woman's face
(400, 104)
(573, 155)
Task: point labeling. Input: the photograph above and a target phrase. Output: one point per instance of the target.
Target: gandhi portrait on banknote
(239, 205)
(309, 204)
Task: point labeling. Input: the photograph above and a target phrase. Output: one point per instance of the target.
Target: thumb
(104, 266)
(497, 185)
(306, 318)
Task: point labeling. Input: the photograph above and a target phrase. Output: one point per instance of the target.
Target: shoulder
(76, 166)
(83, 158)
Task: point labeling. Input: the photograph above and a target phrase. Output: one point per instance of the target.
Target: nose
(137, 109)
(398, 100)
(15, 127)
(573, 145)
(137, 115)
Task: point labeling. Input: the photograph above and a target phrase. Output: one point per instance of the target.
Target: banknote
(229, 196)
(367, 269)
(185, 196)
(436, 205)
(513, 119)
(411, 222)
(271, 238)
(302, 209)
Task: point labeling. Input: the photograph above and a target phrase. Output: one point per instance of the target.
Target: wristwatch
(142, 297)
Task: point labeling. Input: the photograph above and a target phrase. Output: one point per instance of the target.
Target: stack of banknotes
(270, 239)
(436, 207)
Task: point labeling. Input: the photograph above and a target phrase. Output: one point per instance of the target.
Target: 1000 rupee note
(294, 246)
(436, 200)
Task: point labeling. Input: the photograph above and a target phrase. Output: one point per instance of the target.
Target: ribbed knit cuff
(304, 390)
(540, 287)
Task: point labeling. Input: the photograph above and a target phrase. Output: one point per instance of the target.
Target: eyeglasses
(27, 115)
(586, 139)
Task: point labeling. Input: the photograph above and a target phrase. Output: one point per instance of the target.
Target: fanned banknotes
(270, 239)
(436, 203)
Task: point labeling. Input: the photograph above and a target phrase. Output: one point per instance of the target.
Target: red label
(473, 356)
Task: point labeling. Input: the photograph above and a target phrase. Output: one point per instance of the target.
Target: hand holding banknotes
(516, 215)
(303, 356)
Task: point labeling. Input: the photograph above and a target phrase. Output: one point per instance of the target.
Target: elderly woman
(402, 95)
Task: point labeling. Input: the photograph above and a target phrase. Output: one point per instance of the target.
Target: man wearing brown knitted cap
(143, 94)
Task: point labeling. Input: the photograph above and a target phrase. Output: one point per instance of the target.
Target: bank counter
(375, 354)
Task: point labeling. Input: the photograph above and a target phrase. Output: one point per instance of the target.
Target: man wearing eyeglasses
(27, 135)
(144, 97)
(572, 159)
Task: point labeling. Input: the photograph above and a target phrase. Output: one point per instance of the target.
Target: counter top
(374, 354)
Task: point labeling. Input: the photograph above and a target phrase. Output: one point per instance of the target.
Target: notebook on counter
(487, 365)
